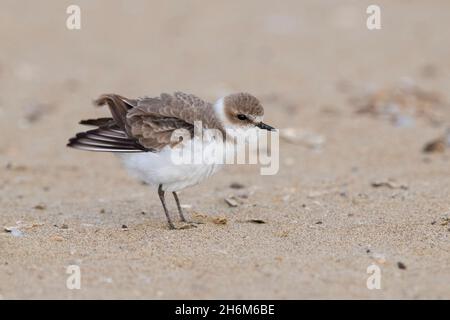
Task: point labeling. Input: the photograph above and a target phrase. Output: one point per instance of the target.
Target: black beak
(264, 126)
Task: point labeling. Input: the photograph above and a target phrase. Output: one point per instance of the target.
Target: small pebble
(435, 146)
(390, 184)
(401, 265)
(16, 233)
(231, 202)
(257, 221)
(236, 185)
(57, 238)
(219, 220)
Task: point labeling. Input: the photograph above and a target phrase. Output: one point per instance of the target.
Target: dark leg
(163, 201)
(179, 207)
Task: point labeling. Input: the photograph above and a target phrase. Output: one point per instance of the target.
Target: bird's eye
(242, 117)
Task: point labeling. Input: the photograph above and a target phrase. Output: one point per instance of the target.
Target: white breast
(159, 168)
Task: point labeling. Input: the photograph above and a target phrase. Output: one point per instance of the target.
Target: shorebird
(141, 131)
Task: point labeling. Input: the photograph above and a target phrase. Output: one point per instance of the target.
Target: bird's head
(241, 111)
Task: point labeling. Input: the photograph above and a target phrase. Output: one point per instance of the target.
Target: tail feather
(103, 135)
(103, 139)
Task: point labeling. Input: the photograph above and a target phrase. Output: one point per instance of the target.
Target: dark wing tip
(99, 122)
(71, 143)
(103, 139)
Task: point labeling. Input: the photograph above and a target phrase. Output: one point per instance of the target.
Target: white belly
(159, 168)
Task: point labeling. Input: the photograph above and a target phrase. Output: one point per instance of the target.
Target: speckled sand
(325, 222)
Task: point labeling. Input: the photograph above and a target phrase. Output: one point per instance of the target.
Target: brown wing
(144, 124)
(152, 121)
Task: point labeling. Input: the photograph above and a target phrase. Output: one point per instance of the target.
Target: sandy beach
(355, 188)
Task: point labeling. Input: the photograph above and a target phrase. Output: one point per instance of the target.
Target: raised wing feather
(153, 120)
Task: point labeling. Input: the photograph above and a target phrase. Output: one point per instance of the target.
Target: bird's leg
(179, 207)
(163, 201)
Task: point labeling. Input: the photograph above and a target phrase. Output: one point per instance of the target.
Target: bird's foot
(171, 226)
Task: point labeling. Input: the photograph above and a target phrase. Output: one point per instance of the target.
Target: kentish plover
(141, 131)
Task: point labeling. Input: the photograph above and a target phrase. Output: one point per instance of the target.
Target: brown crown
(242, 103)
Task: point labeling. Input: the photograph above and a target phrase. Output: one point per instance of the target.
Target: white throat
(219, 109)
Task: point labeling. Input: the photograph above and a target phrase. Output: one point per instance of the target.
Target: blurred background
(363, 162)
